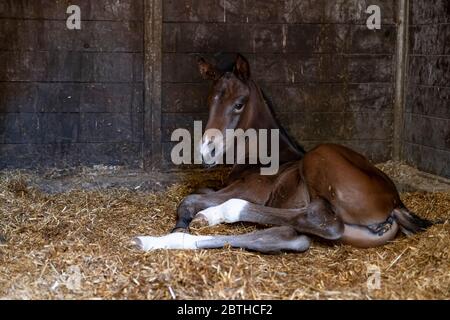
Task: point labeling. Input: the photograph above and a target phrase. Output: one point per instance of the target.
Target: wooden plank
(28, 97)
(123, 10)
(110, 127)
(400, 77)
(153, 83)
(40, 35)
(70, 66)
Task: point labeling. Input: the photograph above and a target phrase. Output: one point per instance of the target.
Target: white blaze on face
(174, 241)
(206, 147)
(212, 147)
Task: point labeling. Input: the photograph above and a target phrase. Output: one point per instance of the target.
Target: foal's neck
(265, 118)
(262, 117)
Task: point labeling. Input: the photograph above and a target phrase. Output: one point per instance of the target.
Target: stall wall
(427, 118)
(71, 97)
(92, 96)
(329, 77)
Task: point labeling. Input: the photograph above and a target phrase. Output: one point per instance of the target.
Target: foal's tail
(410, 223)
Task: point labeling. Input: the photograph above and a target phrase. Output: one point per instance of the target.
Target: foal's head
(229, 95)
(234, 102)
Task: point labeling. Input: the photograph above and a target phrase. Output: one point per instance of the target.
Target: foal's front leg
(195, 203)
(266, 241)
(207, 198)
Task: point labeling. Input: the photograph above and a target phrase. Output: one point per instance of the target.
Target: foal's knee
(322, 221)
(335, 229)
(185, 212)
(188, 204)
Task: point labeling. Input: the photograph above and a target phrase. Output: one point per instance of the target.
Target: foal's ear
(242, 68)
(207, 70)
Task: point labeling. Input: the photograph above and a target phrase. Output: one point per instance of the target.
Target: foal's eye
(238, 107)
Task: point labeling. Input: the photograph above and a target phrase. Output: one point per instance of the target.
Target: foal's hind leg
(317, 218)
(267, 241)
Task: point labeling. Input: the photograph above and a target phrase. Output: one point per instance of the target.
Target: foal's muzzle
(211, 151)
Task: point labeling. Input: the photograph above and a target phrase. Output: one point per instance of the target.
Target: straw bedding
(76, 245)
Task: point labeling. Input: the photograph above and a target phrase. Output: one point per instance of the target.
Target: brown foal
(330, 192)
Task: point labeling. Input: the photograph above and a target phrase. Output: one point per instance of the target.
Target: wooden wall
(70, 97)
(427, 121)
(113, 92)
(330, 78)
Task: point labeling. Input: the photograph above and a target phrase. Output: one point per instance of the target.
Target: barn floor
(63, 243)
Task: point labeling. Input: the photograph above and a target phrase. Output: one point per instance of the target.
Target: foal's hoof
(2, 239)
(180, 230)
(199, 221)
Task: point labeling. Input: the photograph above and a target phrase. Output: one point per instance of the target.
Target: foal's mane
(298, 147)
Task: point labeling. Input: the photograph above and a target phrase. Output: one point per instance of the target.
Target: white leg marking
(228, 212)
(174, 241)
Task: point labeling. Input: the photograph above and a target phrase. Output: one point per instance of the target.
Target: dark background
(113, 92)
